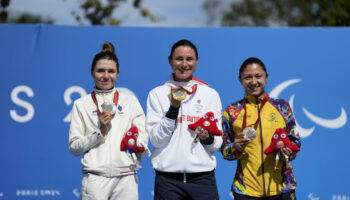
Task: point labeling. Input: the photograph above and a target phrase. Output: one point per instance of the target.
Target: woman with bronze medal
(249, 125)
(184, 167)
(99, 123)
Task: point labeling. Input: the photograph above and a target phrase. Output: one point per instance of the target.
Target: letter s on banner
(24, 104)
(68, 100)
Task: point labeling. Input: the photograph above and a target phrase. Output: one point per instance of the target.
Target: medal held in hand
(110, 107)
(250, 133)
(179, 94)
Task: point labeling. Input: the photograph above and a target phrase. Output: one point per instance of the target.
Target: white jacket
(102, 155)
(174, 149)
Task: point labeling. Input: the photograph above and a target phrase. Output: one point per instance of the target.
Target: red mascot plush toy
(207, 122)
(129, 141)
(279, 141)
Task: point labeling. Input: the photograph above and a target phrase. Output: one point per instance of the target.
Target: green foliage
(339, 14)
(98, 13)
(27, 18)
(283, 13)
(22, 18)
(3, 12)
(5, 3)
(3, 17)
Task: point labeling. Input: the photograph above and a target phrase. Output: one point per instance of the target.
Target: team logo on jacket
(272, 117)
(120, 109)
(198, 106)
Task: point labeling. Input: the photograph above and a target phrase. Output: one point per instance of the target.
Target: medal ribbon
(245, 113)
(194, 89)
(115, 100)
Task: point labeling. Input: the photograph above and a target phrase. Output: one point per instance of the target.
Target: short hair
(183, 42)
(107, 52)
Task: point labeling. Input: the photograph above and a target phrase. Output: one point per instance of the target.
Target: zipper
(110, 155)
(262, 147)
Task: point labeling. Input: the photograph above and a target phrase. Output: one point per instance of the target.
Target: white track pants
(96, 187)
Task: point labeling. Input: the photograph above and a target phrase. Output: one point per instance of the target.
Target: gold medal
(179, 94)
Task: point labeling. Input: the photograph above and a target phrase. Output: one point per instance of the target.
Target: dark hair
(250, 61)
(108, 52)
(183, 42)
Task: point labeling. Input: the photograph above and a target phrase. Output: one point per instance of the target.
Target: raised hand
(105, 119)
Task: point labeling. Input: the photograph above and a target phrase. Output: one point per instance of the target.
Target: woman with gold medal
(184, 168)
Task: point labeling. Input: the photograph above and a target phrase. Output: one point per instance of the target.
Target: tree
(3, 13)
(281, 12)
(27, 18)
(21, 18)
(99, 13)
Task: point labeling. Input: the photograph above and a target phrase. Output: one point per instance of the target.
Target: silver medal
(250, 133)
(110, 107)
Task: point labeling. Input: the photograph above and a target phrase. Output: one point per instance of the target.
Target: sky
(174, 13)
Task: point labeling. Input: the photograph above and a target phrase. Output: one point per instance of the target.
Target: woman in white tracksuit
(109, 173)
(184, 168)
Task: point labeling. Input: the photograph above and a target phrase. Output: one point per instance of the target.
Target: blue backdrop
(45, 68)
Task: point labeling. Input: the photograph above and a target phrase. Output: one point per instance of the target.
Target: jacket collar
(187, 85)
(99, 91)
(252, 99)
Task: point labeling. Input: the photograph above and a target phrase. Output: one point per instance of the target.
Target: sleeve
(228, 149)
(138, 120)
(217, 110)
(79, 140)
(291, 131)
(159, 127)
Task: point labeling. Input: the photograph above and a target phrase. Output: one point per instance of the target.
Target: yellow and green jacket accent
(255, 175)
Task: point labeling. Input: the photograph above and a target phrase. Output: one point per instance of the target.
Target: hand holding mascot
(207, 122)
(279, 141)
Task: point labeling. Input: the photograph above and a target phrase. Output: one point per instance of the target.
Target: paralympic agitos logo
(305, 132)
